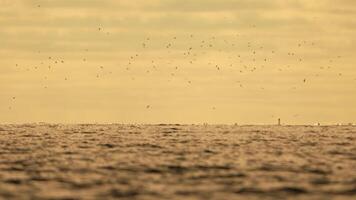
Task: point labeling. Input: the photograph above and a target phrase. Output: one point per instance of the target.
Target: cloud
(252, 29)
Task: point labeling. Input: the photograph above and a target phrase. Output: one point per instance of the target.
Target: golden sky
(178, 61)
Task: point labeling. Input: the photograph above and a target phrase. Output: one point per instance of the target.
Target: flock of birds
(191, 49)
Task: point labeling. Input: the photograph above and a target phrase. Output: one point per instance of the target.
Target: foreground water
(46, 161)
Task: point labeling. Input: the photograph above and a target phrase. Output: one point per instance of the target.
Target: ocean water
(114, 161)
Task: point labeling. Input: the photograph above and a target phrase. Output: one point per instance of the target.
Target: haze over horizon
(176, 61)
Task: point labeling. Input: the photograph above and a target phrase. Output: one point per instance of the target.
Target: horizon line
(177, 124)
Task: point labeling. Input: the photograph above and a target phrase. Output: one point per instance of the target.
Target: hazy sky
(178, 61)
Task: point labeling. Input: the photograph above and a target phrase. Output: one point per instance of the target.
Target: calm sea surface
(46, 161)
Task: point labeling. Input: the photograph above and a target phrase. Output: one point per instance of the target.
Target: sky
(178, 61)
